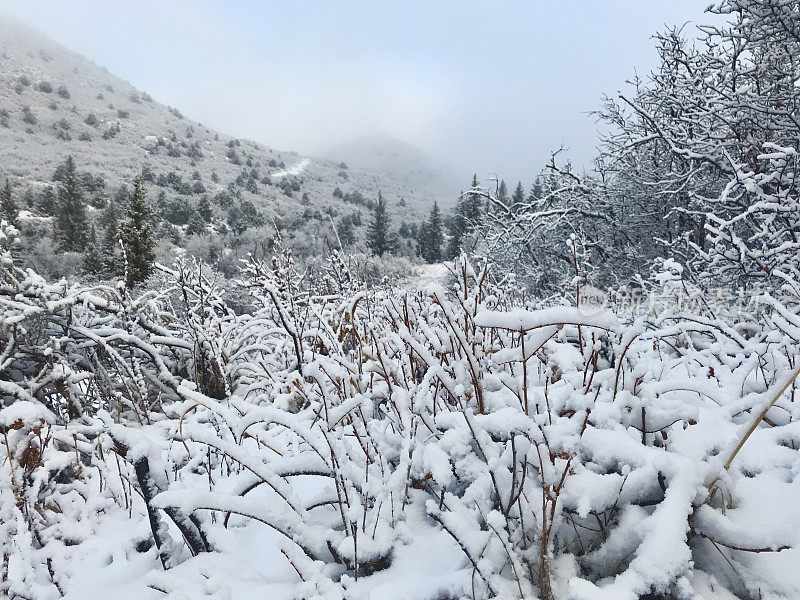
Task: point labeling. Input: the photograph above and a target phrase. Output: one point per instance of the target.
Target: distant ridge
(401, 162)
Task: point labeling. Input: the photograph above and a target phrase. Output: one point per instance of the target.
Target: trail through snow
(294, 170)
(427, 274)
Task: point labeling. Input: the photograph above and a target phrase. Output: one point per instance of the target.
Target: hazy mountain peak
(399, 160)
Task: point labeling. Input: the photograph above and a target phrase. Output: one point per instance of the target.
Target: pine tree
(70, 223)
(517, 198)
(46, 203)
(458, 228)
(466, 216)
(536, 190)
(9, 210)
(93, 257)
(196, 225)
(205, 210)
(473, 205)
(502, 196)
(29, 199)
(110, 218)
(137, 235)
(422, 240)
(379, 239)
(431, 248)
(113, 263)
(346, 232)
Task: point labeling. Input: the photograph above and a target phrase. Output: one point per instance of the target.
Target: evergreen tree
(70, 224)
(379, 238)
(517, 198)
(422, 240)
(196, 225)
(458, 228)
(466, 216)
(113, 263)
(28, 200)
(346, 232)
(536, 190)
(205, 210)
(432, 238)
(161, 201)
(110, 218)
(93, 257)
(121, 196)
(472, 205)
(9, 210)
(502, 196)
(46, 202)
(137, 235)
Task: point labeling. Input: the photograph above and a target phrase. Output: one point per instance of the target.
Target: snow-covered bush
(459, 442)
(752, 233)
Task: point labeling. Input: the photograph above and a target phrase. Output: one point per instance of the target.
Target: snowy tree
(345, 231)
(137, 236)
(113, 261)
(380, 239)
(93, 263)
(501, 197)
(205, 210)
(71, 223)
(8, 206)
(431, 236)
(196, 225)
(518, 198)
(473, 204)
(683, 138)
(532, 239)
(457, 230)
(46, 202)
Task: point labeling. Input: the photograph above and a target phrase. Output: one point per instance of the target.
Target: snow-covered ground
(294, 170)
(427, 274)
(417, 445)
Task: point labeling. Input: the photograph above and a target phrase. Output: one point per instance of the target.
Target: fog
(485, 86)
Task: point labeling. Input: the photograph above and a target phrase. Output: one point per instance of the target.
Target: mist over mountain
(401, 162)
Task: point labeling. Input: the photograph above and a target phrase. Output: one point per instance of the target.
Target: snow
(447, 439)
(293, 170)
(421, 453)
(427, 274)
(523, 320)
(27, 413)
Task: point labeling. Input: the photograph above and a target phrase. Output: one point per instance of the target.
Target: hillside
(55, 103)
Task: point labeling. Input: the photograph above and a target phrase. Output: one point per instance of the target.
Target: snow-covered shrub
(547, 443)
(521, 452)
(752, 234)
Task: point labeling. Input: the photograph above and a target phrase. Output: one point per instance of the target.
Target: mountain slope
(55, 103)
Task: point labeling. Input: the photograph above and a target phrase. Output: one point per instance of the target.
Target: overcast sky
(487, 86)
